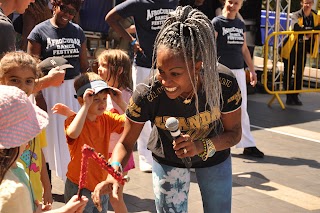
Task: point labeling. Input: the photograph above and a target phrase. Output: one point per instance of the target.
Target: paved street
(286, 180)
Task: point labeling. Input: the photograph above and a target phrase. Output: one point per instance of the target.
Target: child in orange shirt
(91, 126)
(115, 69)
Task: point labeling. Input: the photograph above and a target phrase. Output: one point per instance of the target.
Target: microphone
(172, 124)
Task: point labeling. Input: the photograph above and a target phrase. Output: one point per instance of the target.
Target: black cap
(47, 64)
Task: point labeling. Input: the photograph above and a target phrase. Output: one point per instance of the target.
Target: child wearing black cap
(92, 125)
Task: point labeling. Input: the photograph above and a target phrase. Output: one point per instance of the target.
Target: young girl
(21, 121)
(20, 69)
(232, 50)
(115, 69)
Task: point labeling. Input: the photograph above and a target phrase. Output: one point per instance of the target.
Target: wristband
(116, 163)
(133, 42)
(211, 149)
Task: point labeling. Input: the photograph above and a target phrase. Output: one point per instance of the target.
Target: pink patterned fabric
(20, 120)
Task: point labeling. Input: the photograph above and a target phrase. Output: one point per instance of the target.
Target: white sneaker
(144, 166)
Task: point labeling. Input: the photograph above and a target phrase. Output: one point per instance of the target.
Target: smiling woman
(66, 9)
(59, 37)
(185, 85)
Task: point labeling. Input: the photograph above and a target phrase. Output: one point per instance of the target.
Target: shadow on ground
(269, 159)
(252, 179)
(268, 117)
(58, 198)
(136, 204)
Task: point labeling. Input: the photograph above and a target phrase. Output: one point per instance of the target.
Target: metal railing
(274, 68)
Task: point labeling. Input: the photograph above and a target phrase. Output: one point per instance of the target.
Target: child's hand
(88, 97)
(111, 185)
(62, 109)
(56, 76)
(47, 199)
(40, 207)
(116, 96)
(74, 205)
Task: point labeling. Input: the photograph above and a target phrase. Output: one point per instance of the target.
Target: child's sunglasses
(66, 9)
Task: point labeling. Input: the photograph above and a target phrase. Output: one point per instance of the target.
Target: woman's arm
(125, 145)
(34, 48)
(232, 131)
(84, 64)
(121, 154)
(247, 58)
(113, 19)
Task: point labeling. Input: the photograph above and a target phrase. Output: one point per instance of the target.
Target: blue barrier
(92, 14)
(272, 14)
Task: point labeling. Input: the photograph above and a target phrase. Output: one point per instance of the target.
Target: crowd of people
(185, 56)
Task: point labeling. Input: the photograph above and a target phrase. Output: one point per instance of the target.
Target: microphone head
(172, 124)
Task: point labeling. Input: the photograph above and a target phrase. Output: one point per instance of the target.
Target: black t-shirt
(60, 42)
(148, 15)
(7, 34)
(230, 40)
(150, 102)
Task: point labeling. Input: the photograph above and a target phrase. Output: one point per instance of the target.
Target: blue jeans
(71, 189)
(171, 187)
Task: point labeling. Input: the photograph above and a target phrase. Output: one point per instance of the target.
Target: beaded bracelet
(133, 42)
(204, 154)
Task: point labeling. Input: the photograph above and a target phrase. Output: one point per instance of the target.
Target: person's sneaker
(253, 152)
(144, 166)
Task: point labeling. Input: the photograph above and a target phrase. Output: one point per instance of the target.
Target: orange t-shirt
(95, 134)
